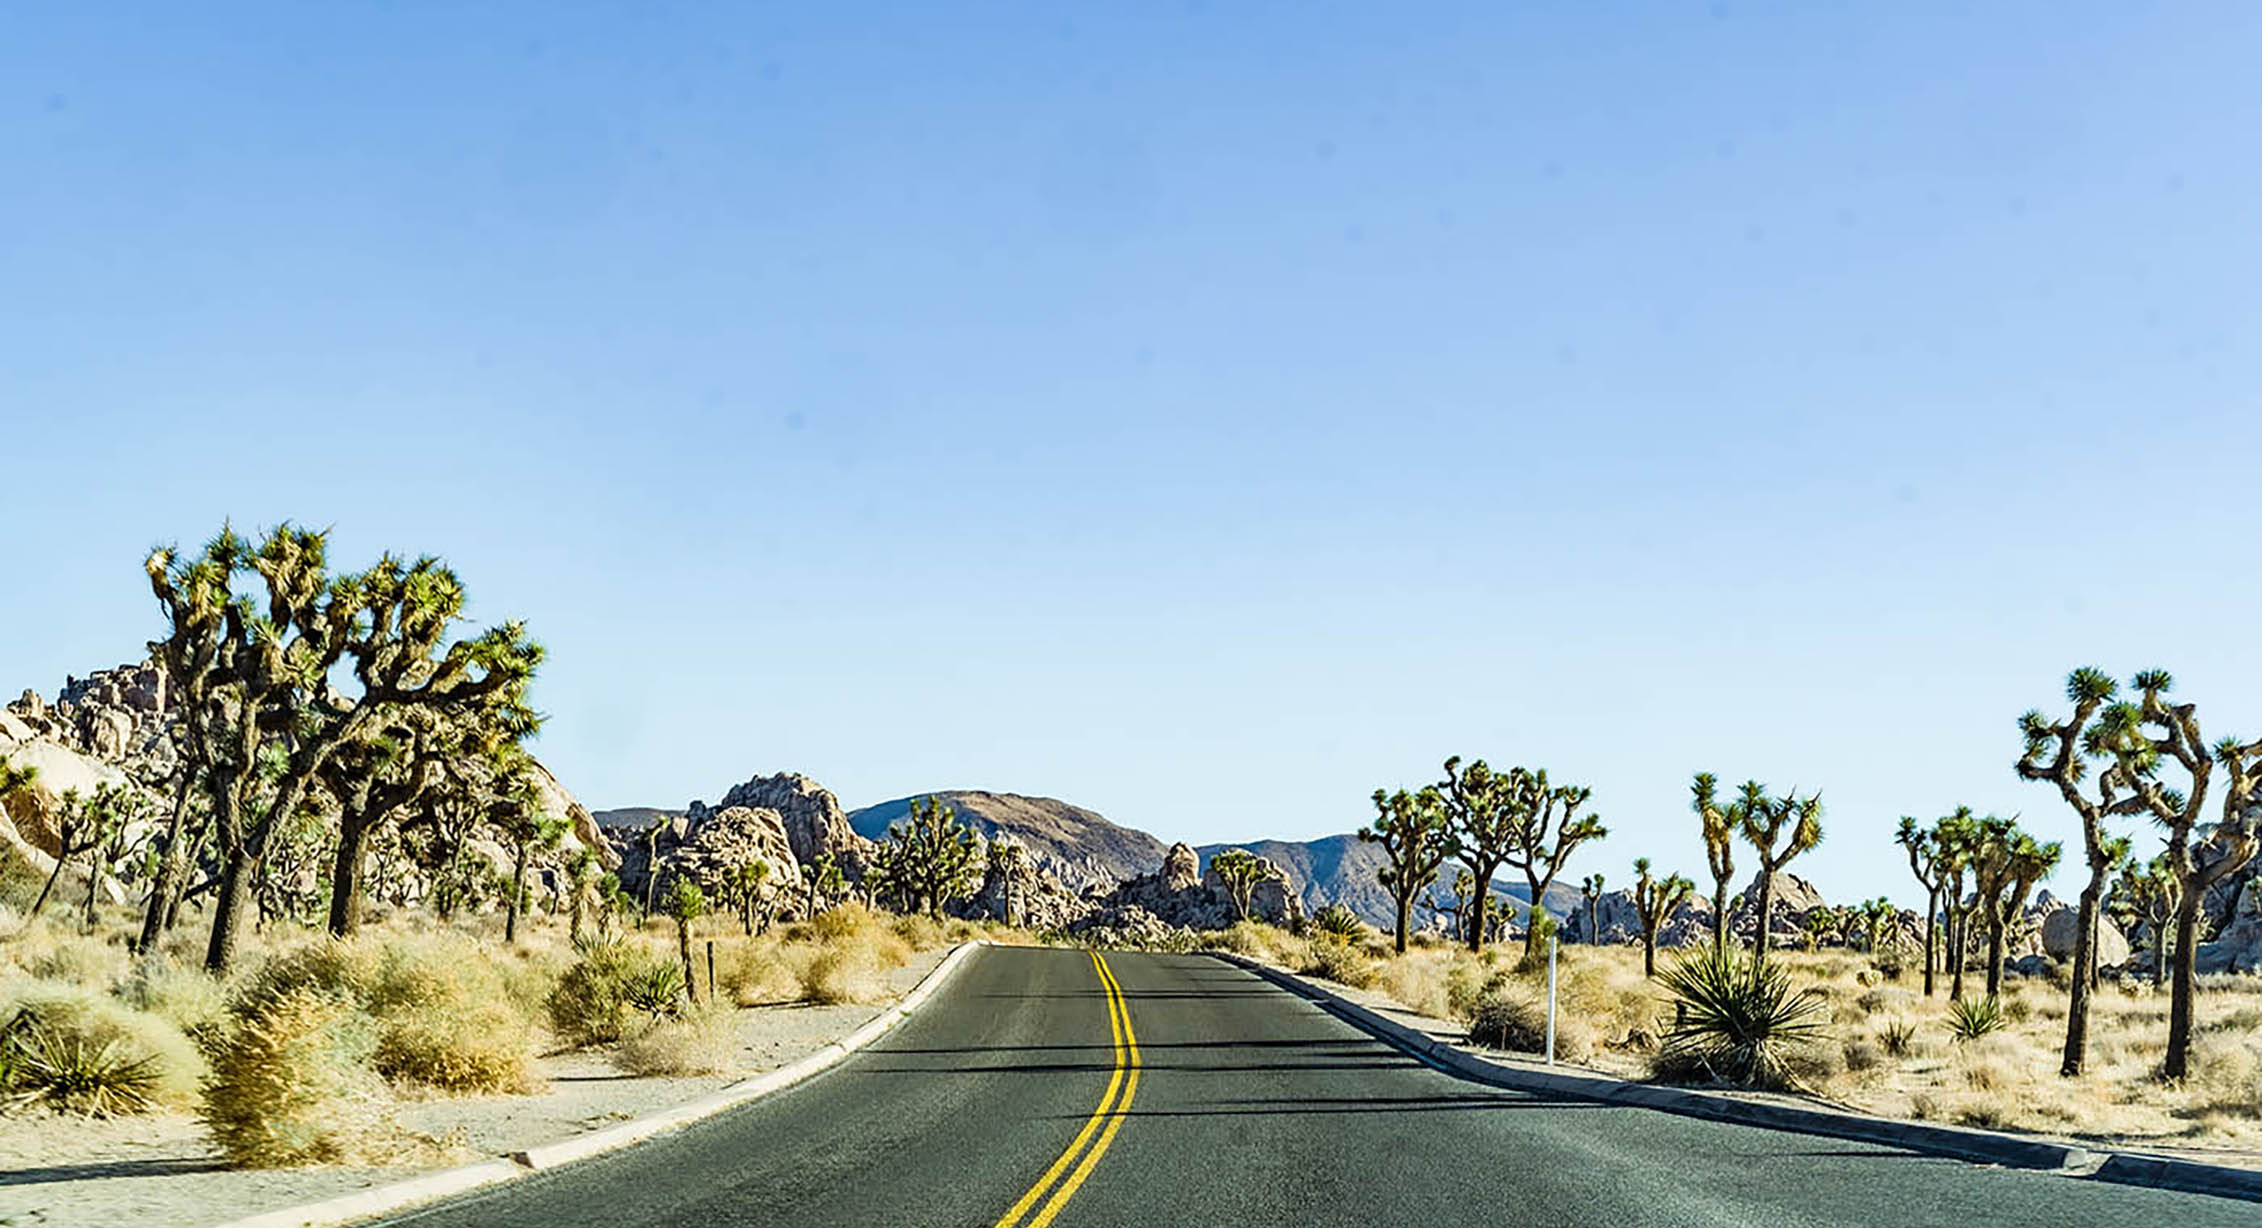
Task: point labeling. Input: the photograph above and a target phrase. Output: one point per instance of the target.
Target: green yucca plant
(657, 990)
(1738, 1021)
(1972, 1018)
(1336, 921)
(1899, 1037)
(72, 1073)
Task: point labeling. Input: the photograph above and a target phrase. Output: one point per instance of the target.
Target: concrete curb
(401, 1195)
(1956, 1142)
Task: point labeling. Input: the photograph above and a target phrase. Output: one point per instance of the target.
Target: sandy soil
(159, 1171)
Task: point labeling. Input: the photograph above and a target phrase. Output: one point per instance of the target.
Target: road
(1015, 1098)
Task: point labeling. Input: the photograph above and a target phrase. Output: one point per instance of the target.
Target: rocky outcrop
(2060, 928)
(2238, 943)
(1793, 899)
(1180, 894)
(814, 822)
(715, 848)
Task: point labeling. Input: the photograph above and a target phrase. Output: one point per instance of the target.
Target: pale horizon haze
(1205, 414)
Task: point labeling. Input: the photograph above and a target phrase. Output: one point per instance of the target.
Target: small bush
(1339, 961)
(842, 971)
(1509, 1019)
(591, 1004)
(656, 990)
(1862, 1054)
(919, 931)
(291, 1082)
(755, 973)
(458, 1047)
(182, 994)
(1971, 1018)
(700, 1041)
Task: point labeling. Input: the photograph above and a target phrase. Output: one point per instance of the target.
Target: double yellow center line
(1105, 1120)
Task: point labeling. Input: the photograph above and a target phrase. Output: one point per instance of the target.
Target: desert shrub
(656, 990)
(754, 972)
(90, 1029)
(457, 1047)
(1244, 938)
(1888, 963)
(1862, 1053)
(1339, 961)
(180, 993)
(1418, 980)
(703, 1040)
(591, 1003)
(1738, 1023)
(1337, 921)
(842, 971)
(2015, 1007)
(919, 931)
(2226, 1074)
(1923, 1106)
(1466, 983)
(1509, 1018)
(834, 924)
(1971, 1018)
(292, 1082)
(75, 959)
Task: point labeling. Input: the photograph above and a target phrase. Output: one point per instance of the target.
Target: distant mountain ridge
(1080, 847)
(1087, 851)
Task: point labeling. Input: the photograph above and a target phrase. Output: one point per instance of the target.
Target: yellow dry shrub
(846, 970)
(178, 992)
(1341, 962)
(700, 1041)
(757, 973)
(291, 1083)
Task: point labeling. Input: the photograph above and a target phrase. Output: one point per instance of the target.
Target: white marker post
(1551, 999)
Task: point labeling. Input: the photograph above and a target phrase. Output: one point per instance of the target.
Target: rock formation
(1080, 848)
(814, 822)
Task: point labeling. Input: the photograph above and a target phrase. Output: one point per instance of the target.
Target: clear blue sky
(1205, 413)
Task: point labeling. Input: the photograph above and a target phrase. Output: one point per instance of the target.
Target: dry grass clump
(592, 1002)
(1340, 961)
(292, 1083)
(700, 1041)
(842, 971)
(757, 973)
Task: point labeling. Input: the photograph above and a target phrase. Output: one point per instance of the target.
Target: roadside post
(1551, 999)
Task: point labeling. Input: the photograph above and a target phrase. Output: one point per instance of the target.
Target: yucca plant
(1899, 1037)
(72, 1073)
(1972, 1018)
(657, 990)
(1738, 1020)
(1337, 921)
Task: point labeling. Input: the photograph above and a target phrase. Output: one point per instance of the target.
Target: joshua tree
(2142, 738)
(116, 811)
(1242, 871)
(936, 854)
(1924, 862)
(749, 887)
(1480, 829)
(1590, 888)
(79, 828)
(583, 872)
(255, 672)
(1878, 918)
(2005, 865)
(1544, 829)
(1654, 901)
(1414, 833)
(652, 859)
(2059, 753)
(514, 808)
(1820, 923)
(1009, 859)
(821, 881)
(1762, 820)
(1719, 850)
(2147, 895)
(685, 904)
(1955, 842)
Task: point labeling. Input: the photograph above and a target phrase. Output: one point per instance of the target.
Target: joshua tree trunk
(518, 893)
(1959, 919)
(164, 888)
(1649, 953)
(2159, 951)
(1761, 936)
(52, 875)
(1931, 924)
(1996, 924)
(2185, 986)
(683, 946)
(1720, 914)
(228, 910)
(2084, 971)
(1594, 923)
(345, 878)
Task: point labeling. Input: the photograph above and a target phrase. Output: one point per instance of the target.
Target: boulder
(813, 819)
(1181, 867)
(713, 850)
(2061, 928)
(2238, 946)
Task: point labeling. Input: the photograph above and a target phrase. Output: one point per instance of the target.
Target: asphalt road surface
(1047, 1086)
